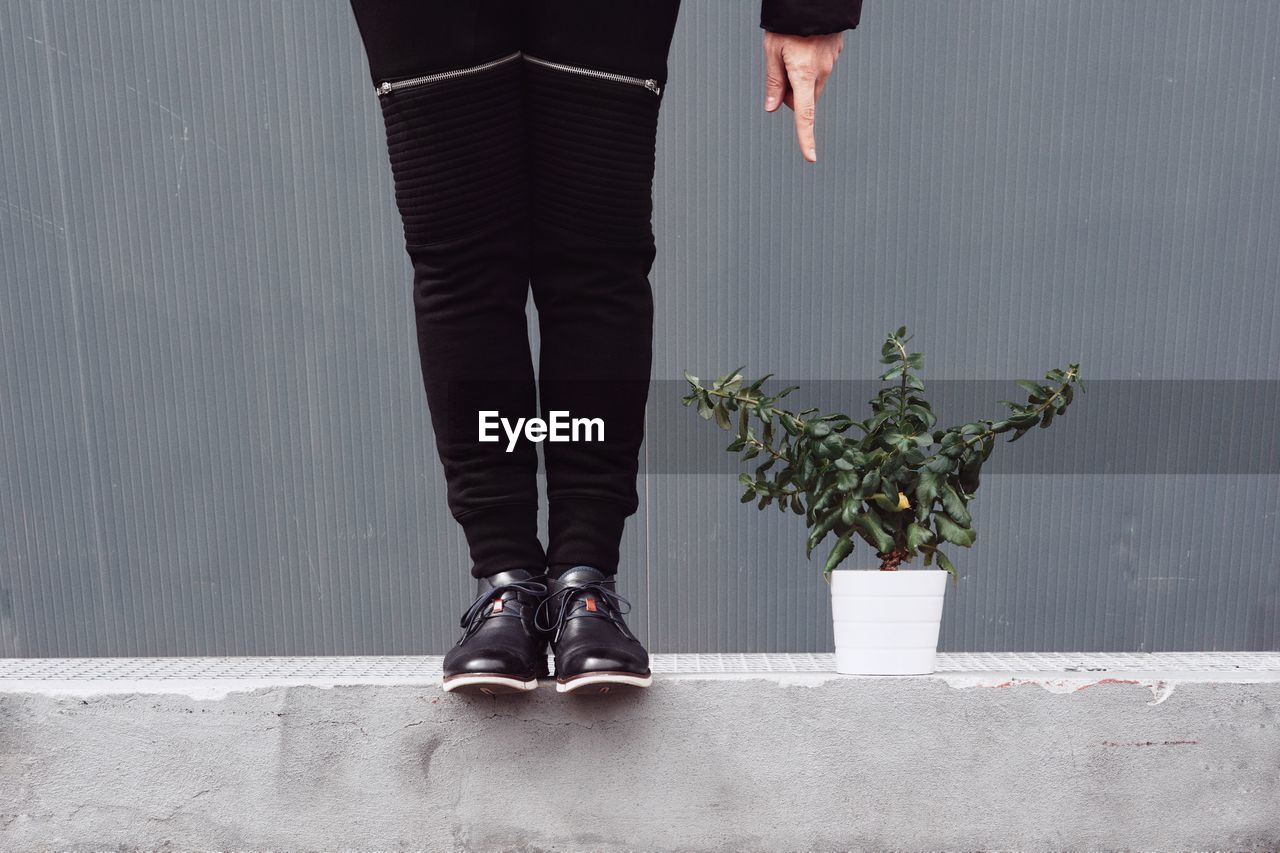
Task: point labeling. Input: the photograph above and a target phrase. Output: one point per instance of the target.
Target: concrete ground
(723, 753)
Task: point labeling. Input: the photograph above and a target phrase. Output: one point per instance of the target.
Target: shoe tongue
(577, 575)
(507, 577)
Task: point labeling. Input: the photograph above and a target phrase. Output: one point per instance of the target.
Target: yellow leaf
(903, 503)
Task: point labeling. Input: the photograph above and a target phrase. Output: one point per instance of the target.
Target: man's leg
(458, 149)
(594, 73)
(592, 133)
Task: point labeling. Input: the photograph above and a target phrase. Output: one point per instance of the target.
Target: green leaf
(824, 497)
(938, 464)
(842, 548)
(945, 563)
(1019, 434)
(869, 523)
(913, 458)
(849, 510)
(1035, 389)
(722, 416)
(954, 505)
(805, 471)
(926, 491)
(924, 439)
(817, 534)
(917, 535)
(886, 503)
(898, 441)
(953, 532)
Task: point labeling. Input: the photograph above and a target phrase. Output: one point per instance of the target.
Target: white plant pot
(886, 623)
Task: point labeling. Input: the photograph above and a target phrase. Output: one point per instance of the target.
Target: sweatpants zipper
(387, 87)
(648, 83)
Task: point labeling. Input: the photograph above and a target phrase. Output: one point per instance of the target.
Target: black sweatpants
(521, 140)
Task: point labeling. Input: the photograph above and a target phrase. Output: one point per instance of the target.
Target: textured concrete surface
(701, 761)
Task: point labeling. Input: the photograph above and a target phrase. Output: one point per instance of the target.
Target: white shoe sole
(488, 685)
(602, 682)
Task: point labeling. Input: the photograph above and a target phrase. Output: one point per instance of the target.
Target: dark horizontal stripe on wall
(1114, 426)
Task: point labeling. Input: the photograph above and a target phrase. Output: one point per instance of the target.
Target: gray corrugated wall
(214, 436)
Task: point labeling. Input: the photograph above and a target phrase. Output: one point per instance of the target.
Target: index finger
(802, 89)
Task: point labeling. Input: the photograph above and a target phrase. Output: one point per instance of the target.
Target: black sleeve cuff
(809, 17)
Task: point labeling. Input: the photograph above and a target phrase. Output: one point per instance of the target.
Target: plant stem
(902, 386)
(1038, 411)
(749, 438)
(889, 562)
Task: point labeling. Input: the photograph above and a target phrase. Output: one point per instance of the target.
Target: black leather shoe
(501, 651)
(594, 650)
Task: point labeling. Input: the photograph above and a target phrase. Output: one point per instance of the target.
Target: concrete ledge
(734, 752)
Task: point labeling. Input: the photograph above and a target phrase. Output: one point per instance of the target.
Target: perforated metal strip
(410, 668)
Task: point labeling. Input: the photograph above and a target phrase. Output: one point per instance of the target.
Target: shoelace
(612, 598)
(472, 618)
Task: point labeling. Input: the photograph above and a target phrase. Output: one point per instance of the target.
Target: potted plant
(898, 483)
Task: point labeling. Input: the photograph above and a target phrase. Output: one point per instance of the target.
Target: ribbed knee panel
(458, 152)
(593, 142)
